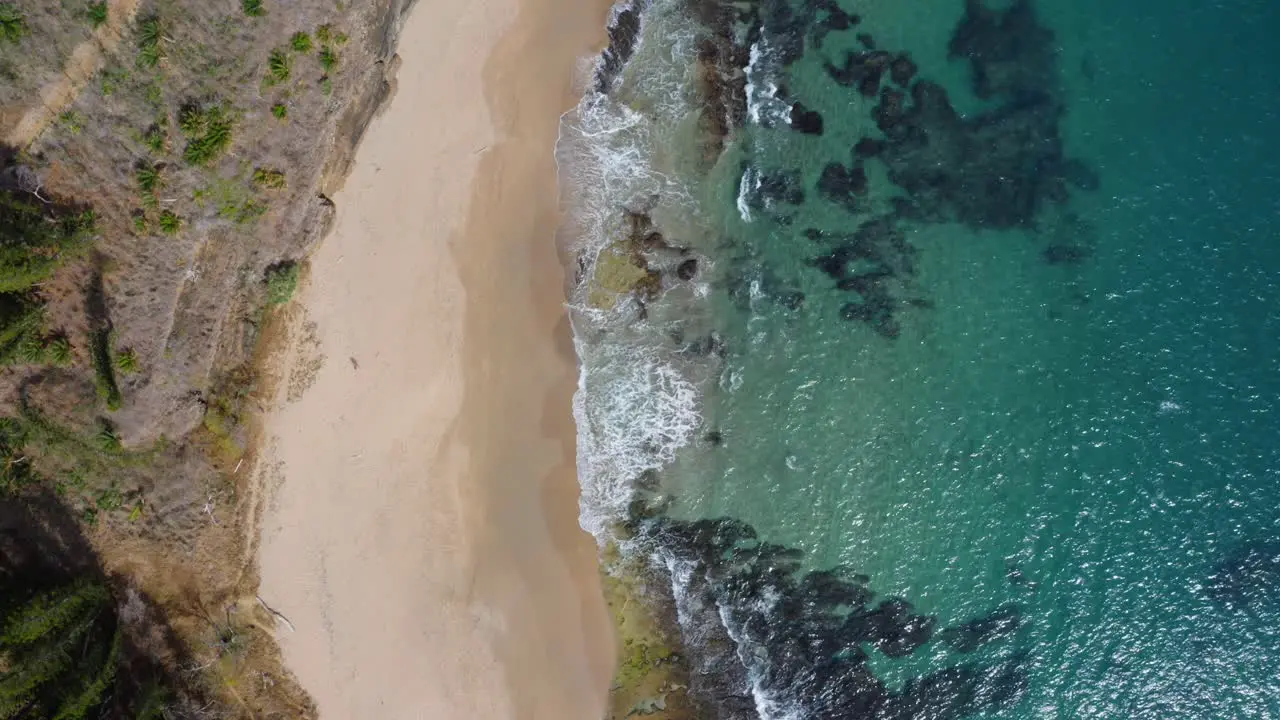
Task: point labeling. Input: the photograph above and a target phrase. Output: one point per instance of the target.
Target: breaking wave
(636, 405)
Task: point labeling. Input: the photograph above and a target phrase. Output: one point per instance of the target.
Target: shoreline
(421, 529)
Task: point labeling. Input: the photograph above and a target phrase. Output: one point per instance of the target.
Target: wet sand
(422, 532)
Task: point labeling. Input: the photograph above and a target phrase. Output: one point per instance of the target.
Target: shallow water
(1076, 416)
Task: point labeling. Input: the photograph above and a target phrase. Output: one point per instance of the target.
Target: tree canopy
(59, 651)
(35, 238)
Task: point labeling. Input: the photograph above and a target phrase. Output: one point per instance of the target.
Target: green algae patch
(651, 679)
(619, 270)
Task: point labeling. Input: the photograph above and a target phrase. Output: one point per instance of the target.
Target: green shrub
(155, 95)
(269, 179)
(105, 376)
(35, 239)
(13, 26)
(280, 111)
(253, 8)
(15, 465)
(106, 439)
(169, 222)
(279, 67)
(324, 34)
(328, 59)
(282, 281)
(300, 42)
(110, 80)
(156, 139)
(208, 132)
(150, 42)
(72, 121)
(244, 213)
(30, 348)
(21, 320)
(59, 350)
(148, 177)
(97, 14)
(127, 361)
(326, 86)
(110, 498)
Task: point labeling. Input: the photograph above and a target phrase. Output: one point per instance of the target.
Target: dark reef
(807, 637)
(755, 619)
(998, 169)
(1247, 577)
(805, 120)
(1004, 620)
(624, 33)
(843, 185)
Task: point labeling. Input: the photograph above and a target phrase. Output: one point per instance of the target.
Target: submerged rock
(862, 70)
(1066, 254)
(1247, 577)
(1010, 51)
(623, 33)
(1001, 622)
(776, 187)
(868, 148)
(805, 120)
(829, 16)
(902, 70)
(806, 640)
(843, 185)
(687, 270)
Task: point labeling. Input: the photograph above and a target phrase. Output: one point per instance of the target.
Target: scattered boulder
(688, 269)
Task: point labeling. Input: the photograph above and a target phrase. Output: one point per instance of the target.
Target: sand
(421, 534)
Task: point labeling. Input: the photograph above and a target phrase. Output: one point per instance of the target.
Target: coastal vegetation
(96, 12)
(13, 26)
(252, 8)
(652, 678)
(282, 281)
(62, 651)
(149, 217)
(150, 48)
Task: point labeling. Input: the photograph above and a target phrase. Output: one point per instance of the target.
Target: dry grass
(135, 418)
(34, 57)
(200, 228)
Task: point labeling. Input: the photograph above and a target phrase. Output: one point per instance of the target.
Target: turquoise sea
(955, 391)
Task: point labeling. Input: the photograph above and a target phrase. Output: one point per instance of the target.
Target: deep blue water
(1040, 388)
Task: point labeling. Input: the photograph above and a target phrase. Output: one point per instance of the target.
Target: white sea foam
(764, 107)
(634, 411)
(635, 408)
(750, 183)
(637, 405)
(767, 707)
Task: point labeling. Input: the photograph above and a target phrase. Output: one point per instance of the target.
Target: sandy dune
(422, 534)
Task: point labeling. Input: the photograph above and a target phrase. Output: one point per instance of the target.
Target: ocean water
(980, 418)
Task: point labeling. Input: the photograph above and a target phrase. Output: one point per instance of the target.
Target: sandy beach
(421, 535)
